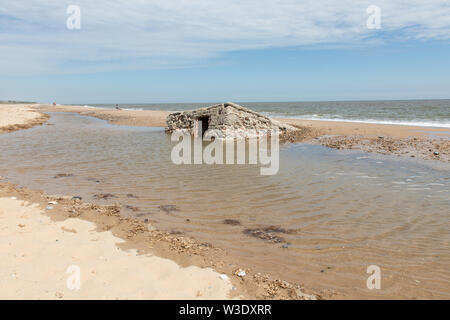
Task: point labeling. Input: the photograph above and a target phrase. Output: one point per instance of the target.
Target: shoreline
(47, 250)
(157, 118)
(428, 143)
(202, 264)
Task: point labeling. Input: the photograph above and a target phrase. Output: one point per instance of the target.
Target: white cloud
(124, 34)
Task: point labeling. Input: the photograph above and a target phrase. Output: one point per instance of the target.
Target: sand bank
(145, 118)
(18, 116)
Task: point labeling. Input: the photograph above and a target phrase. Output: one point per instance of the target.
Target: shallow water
(342, 210)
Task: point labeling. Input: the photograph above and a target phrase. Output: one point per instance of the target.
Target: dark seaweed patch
(62, 175)
(232, 222)
(104, 196)
(168, 208)
(268, 233)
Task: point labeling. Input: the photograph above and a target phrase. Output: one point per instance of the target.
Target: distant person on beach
(117, 107)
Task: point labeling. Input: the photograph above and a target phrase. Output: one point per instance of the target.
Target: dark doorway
(204, 122)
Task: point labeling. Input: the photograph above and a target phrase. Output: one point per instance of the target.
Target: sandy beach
(156, 264)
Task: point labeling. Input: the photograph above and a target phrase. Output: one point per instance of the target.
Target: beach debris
(130, 195)
(13, 198)
(93, 180)
(240, 273)
(52, 202)
(223, 277)
(232, 222)
(168, 208)
(412, 146)
(77, 198)
(267, 233)
(20, 225)
(49, 208)
(63, 175)
(104, 196)
(257, 233)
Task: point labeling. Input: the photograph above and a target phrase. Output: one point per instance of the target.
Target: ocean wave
(92, 107)
(339, 118)
(133, 109)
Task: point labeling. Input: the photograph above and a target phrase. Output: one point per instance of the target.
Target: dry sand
(41, 257)
(18, 116)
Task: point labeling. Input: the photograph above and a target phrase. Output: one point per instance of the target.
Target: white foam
(133, 109)
(338, 118)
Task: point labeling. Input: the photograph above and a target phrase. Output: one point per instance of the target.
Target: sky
(155, 51)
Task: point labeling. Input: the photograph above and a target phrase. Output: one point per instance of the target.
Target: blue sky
(205, 51)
